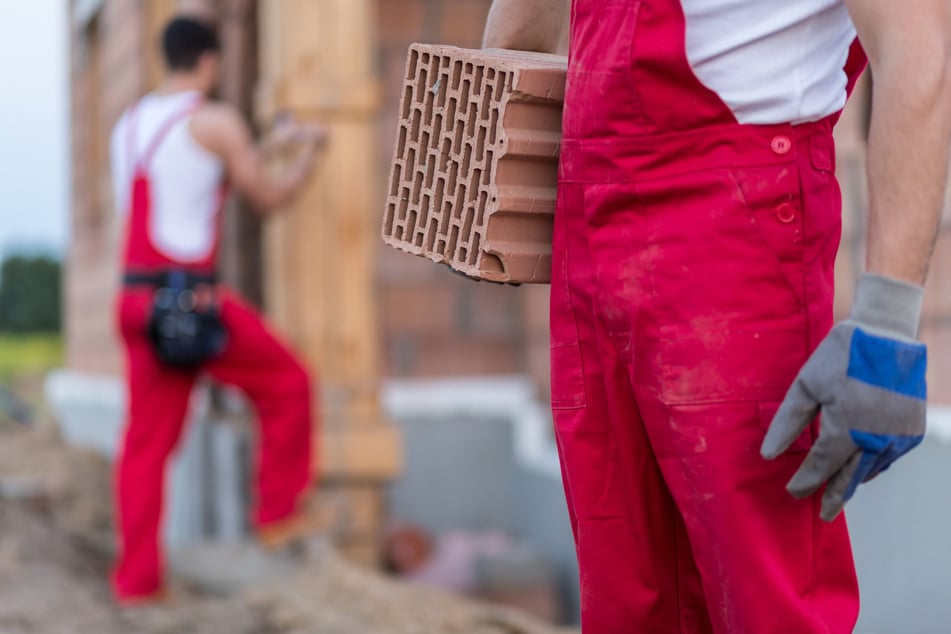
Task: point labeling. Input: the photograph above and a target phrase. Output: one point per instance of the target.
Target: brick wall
(435, 323)
(108, 72)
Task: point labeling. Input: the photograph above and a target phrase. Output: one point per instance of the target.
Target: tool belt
(184, 325)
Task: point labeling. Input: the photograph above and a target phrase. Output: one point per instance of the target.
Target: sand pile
(56, 548)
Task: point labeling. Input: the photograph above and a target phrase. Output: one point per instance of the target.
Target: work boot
(160, 598)
(298, 527)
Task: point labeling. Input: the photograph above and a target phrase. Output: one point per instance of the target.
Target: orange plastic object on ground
(475, 170)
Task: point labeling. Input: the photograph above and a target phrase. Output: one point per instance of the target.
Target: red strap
(163, 131)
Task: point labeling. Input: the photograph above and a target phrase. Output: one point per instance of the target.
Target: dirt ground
(56, 548)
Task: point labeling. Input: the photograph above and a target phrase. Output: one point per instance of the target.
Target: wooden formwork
(317, 63)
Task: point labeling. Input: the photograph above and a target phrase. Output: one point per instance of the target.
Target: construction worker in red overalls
(692, 337)
(172, 153)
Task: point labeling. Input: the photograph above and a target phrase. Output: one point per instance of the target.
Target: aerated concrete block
(475, 170)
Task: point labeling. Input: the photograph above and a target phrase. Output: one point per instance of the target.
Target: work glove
(868, 380)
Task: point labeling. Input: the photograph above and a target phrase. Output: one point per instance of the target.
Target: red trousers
(692, 275)
(254, 361)
(688, 288)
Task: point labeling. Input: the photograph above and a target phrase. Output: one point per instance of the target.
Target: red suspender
(163, 131)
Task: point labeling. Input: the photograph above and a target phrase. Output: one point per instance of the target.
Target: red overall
(692, 277)
(254, 360)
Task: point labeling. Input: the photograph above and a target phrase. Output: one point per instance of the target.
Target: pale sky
(34, 120)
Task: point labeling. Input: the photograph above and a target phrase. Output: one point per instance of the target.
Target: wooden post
(240, 263)
(316, 62)
(157, 15)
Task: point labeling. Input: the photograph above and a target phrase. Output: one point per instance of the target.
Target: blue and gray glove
(868, 380)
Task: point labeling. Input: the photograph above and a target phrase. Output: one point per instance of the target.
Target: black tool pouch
(185, 326)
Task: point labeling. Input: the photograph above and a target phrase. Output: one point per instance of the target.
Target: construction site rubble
(56, 550)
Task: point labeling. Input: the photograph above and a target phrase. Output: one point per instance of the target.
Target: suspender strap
(163, 131)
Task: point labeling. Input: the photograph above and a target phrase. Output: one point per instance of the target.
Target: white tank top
(185, 178)
(771, 61)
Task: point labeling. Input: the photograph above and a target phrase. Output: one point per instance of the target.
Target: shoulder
(219, 118)
(218, 126)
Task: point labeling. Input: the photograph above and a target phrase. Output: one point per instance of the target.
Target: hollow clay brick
(475, 170)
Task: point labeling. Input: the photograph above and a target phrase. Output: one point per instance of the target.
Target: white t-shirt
(185, 178)
(778, 61)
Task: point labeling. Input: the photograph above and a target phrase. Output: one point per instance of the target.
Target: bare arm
(221, 130)
(909, 47)
(528, 25)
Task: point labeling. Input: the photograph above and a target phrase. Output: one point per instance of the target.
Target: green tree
(30, 295)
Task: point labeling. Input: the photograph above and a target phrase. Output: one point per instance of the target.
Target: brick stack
(474, 176)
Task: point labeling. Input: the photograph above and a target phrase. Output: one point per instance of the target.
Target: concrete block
(227, 567)
(900, 523)
(522, 579)
(186, 491)
(230, 447)
(474, 174)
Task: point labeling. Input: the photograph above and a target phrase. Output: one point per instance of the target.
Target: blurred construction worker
(696, 229)
(174, 154)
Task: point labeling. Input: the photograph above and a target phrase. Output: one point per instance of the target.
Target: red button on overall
(781, 144)
(786, 213)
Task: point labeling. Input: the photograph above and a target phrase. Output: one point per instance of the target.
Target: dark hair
(185, 40)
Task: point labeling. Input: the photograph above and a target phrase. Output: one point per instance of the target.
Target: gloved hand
(868, 380)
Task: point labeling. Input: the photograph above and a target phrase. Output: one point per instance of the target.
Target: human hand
(314, 134)
(289, 136)
(867, 378)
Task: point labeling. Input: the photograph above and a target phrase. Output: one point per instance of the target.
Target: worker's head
(191, 48)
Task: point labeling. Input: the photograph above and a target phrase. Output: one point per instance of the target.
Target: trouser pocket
(567, 369)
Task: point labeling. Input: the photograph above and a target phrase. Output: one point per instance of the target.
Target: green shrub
(30, 295)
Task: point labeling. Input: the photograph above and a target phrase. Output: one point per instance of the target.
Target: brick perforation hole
(451, 144)
(447, 104)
